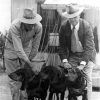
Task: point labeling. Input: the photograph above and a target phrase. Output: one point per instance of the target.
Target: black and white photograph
(50, 50)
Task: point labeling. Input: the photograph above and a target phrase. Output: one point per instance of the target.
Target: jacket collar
(76, 27)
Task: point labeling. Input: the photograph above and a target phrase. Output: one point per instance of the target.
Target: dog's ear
(17, 75)
(14, 76)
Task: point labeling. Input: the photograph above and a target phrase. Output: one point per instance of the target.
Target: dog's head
(77, 86)
(52, 73)
(23, 75)
(17, 75)
(20, 74)
(45, 72)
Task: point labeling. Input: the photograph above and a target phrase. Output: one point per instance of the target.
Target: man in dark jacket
(77, 44)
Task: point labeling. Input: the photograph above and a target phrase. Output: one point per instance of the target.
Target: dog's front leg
(57, 95)
(62, 96)
(84, 96)
(50, 96)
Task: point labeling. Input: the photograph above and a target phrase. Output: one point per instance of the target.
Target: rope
(44, 34)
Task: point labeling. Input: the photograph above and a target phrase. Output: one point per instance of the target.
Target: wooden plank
(53, 6)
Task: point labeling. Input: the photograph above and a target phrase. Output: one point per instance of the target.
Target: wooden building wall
(18, 5)
(51, 22)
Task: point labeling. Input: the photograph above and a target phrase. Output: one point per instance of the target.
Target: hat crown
(29, 14)
(73, 10)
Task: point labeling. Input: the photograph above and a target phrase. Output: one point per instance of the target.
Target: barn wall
(5, 15)
(92, 15)
(18, 5)
(51, 22)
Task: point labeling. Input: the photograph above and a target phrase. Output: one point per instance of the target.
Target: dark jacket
(86, 37)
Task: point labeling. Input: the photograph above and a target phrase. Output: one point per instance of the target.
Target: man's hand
(80, 67)
(37, 67)
(67, 65)
(33, 67)
(30, 64)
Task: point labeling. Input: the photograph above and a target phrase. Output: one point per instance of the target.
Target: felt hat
(30, 17)
(73, 11)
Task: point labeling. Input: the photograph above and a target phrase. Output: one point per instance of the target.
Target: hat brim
(65, 14)
(37, 19)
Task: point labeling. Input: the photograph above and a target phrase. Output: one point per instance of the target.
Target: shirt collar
(76, 27)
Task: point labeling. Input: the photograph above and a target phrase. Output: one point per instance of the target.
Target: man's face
(28, 27)
(74, 21)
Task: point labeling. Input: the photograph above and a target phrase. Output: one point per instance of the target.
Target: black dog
(57, 81)
(35, 87)
(76, 84)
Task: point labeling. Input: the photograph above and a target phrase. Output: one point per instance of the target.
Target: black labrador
(33, 84)
(76, 84)
(57, 81)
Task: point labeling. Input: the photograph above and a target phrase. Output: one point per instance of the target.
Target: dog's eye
(13, 76)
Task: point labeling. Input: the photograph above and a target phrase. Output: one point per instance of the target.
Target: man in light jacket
(22, 44)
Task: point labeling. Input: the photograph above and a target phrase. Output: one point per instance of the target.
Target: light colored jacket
(22, 44)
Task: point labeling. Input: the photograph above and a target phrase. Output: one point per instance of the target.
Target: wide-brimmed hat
(73, 11)
(30, 17)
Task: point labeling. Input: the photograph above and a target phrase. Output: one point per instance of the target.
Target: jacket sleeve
(89, 46)
(36, 41)
(17, 43)
(63, 50)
